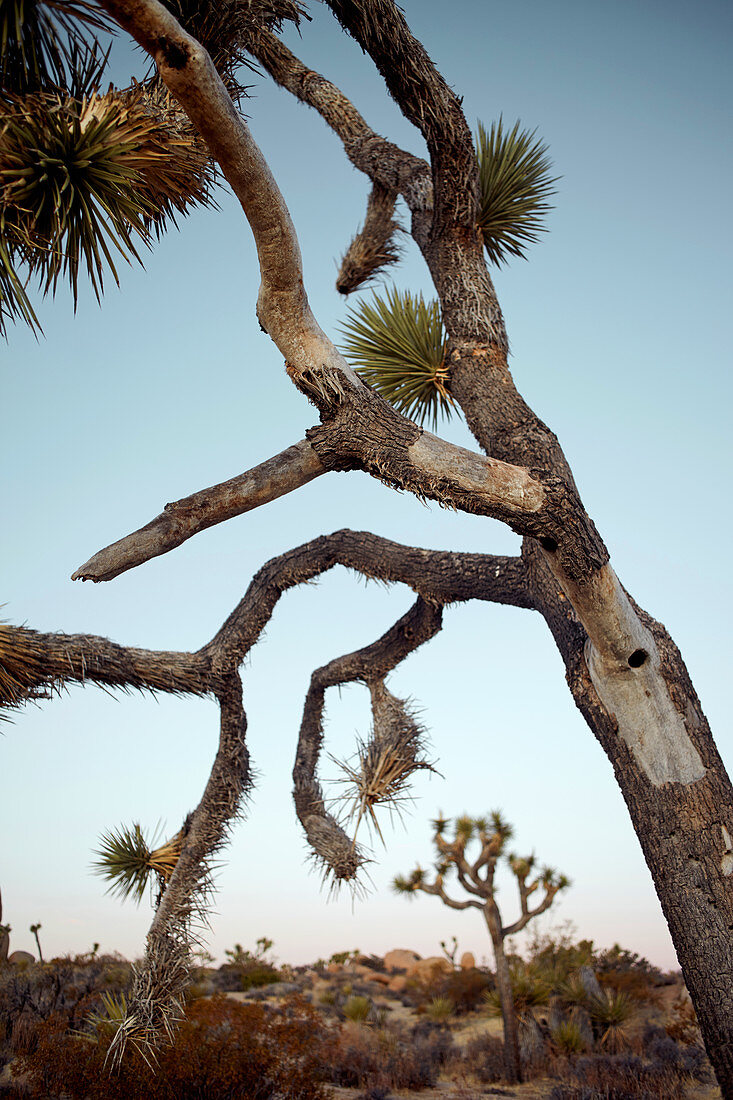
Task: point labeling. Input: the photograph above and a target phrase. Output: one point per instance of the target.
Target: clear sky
(619, 326)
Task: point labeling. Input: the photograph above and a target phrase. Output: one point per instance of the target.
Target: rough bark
(512, 1066)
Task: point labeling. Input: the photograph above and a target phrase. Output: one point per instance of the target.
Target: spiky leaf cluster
(40, 41)
(515, 183)
(397, 344)
(83, 182)
(409, 884)
(128, 860)
(385, 761)
(85, 177)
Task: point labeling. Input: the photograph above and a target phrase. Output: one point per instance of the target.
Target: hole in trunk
(637, 658)
(548, 544)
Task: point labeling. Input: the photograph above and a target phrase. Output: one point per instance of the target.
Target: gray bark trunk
(512, 1066)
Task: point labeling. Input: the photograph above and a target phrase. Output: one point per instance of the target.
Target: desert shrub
(683, 1026)
(619, 1077)
(685, 1059)
(390, 1058)
(440, 1008)
(357, 1009)
(222, 1051)
(66, 988)
(568, 1037)
(617, 960)
(484, 1056)
(465, 988)
(258, 974)
(631, 983)
(555, 958)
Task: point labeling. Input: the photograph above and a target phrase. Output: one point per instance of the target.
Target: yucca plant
(84, 177)
(610, 1014)
(38, 39)
(397, 344)
(357, 1009)
(440, 1009)
(528, 991)
(515, 183)
(568, 1038)
(128, 861)
(83, 180)
(109, 1020)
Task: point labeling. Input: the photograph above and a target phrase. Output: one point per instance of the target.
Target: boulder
(430, 967)
(383, 979)
(21, 958)
(398, 984)
(400, 959)
(468, 961)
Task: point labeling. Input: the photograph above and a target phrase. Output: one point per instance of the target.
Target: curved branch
(181, 520)
(369, 665)
(156, 1002)
(32, 662)
(528, 914)
(373, 248)
(437, 890)
(425, 99)
(382, 161)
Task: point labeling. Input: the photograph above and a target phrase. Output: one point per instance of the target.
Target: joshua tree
(476, 874)
(87, 173)
(5, 931)
(35, 929)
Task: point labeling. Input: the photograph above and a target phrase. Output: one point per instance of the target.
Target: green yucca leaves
(84, 181)
(128, 860)
(397, 344)
(514, 186)
(36, 40)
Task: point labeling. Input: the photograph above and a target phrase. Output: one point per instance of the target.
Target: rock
(383, 979)
(398, 984)
(334, 968)
(400, 959)
(468, 961)
(21, 958)
(430, 968)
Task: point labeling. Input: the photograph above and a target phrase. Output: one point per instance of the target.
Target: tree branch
(527, 916)
(425, 99)
(334, 849)
(437, 890)
(382, 161)
(373, 247)
(179, 521)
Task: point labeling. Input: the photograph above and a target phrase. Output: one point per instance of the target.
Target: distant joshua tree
(35, 929)
(476, 876)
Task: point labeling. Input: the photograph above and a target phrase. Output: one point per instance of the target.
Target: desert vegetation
(474, 873)
(592, 1024)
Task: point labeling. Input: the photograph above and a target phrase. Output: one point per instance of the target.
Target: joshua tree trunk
(512, 1066)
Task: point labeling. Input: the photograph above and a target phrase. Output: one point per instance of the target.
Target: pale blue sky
(619, 331)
